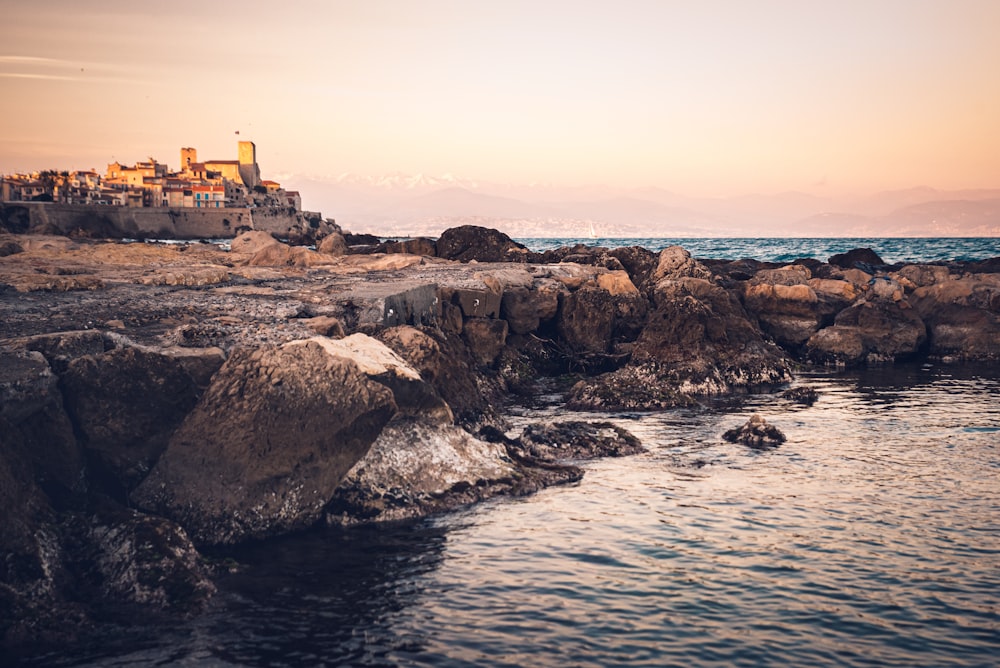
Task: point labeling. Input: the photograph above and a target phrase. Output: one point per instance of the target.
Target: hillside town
(209, 184)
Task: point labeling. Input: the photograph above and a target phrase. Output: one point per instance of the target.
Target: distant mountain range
(417, 205)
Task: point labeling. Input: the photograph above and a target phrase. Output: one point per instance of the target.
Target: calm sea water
(870, 538)
(891, 250)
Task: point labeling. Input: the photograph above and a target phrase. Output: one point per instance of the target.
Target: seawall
(150, 223)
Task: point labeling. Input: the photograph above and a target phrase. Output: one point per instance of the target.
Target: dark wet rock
(267, 443)
(697, 341)
(586, 320)
(34, 427)
(639, 262)
(594, 317)
(801, 395)
(125, 404)
(578, 440)
(878, 331)
(125, 561)
(642, 387)
(756, 433)
(471, 242)
(415, 469)
(444, 361)
(361, 239)
(962, 332)
(857, 258)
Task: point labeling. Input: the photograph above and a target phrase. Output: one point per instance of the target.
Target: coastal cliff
(156, 400)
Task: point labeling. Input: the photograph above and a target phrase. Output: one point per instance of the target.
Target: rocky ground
(156, 399)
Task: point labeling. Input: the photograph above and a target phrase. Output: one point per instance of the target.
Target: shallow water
(871, 537)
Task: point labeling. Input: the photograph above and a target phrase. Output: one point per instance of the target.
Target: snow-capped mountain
(402, 204)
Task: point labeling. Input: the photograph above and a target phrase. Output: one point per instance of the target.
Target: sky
(710, 98)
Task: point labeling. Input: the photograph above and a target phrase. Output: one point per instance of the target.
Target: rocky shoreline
(159, 399)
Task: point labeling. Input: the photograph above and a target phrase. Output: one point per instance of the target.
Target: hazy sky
(700, 97)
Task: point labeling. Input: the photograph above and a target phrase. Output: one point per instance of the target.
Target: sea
(871, 537)
(776, 249)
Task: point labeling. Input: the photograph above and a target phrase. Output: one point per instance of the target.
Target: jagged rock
(857, 258)
(471, 242)
(586, 320)
(801, 395)
(914, 276)
(414, 469)
(631, 388)
(519, 307)
(486, 338)
(756, 433)
(125, 558)
(873, 332)
(697, 341)
(578, 440)
(604, 311)
(34, 424)
(444, 361)
(962, 316)
(267, 443)
(639, 262)
(675, 262)
(332, 244)
(413, 396)
(126, 403)
(786, 306)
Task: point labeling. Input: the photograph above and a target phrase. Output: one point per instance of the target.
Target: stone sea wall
(82, 220)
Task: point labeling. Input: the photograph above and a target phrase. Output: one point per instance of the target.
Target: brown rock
(126, 403)
(486, 338)
(332, 244)
(756, 433)
(267, 444)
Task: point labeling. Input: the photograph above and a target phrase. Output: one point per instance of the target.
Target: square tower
(189, 156)
(249, 171)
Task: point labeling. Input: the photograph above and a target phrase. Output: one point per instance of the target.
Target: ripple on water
(871, 537)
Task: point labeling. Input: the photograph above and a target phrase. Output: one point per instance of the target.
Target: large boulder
(962, 314)
(126, 403)
(697, 341)
(857, 258)
(482, 244)
(876, 330)
(605, 310)
(267, 444)
(444, 361)
(34, 426)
